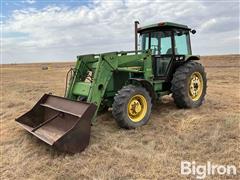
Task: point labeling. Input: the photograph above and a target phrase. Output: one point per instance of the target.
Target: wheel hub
(195, 86)
(137, 108)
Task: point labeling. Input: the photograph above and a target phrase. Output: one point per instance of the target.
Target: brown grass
(209, 133)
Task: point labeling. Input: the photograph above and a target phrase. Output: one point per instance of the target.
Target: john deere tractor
(128, 82)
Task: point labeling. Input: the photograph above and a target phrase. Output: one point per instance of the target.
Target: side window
(144, 41)
(181, 43)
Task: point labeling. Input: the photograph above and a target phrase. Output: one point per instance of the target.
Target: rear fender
(192, 57)
(180, 60)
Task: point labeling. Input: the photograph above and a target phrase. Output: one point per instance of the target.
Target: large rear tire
(189, 85)
(132, 107)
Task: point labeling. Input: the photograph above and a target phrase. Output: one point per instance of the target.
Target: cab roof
(163, 25)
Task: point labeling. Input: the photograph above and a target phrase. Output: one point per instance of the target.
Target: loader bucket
(61, 123)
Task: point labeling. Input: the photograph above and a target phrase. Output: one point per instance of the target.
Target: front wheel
(132, 107)
(189, 85)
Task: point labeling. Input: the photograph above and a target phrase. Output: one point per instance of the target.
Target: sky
(59, 30)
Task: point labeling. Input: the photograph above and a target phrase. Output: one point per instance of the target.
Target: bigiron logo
(208, 169)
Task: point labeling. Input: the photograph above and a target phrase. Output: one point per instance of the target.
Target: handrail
(71, 70)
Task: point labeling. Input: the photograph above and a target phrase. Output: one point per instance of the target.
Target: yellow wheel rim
(137, 108)
(195, 86)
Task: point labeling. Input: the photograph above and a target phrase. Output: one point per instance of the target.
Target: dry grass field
(208, 133)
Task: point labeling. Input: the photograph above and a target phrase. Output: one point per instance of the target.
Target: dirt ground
(154, 151)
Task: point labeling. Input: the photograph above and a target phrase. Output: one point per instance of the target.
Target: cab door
(161, 44)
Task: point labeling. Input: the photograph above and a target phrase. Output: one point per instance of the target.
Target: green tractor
(129, 82)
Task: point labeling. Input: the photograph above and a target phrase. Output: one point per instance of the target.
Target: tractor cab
(168, 42)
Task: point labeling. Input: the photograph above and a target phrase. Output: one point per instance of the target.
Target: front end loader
(128, 82)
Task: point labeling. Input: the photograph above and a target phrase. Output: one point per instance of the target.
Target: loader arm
(102, 67)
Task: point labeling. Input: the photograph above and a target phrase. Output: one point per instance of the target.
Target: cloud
(208, 24)
(63, 32)
(29, 1)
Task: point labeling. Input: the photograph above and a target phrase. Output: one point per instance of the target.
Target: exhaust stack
(136, 36)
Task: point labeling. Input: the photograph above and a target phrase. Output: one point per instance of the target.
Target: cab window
(144, 40)
(166, 43)
(160, 42)
(181, 42)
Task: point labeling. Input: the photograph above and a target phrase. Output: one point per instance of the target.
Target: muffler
(60, 122)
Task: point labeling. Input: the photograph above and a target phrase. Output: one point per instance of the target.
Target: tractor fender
(186, 59)
(146, 84)
(192, 57)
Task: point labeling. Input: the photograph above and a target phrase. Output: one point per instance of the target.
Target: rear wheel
(189, 85)
(132, 107)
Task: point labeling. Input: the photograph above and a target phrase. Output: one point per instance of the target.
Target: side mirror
(193, 31)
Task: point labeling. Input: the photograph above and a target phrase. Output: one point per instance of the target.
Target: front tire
(189, 85)
(132, 107)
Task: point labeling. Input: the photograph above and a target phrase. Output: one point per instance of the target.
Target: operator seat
(170, 51)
